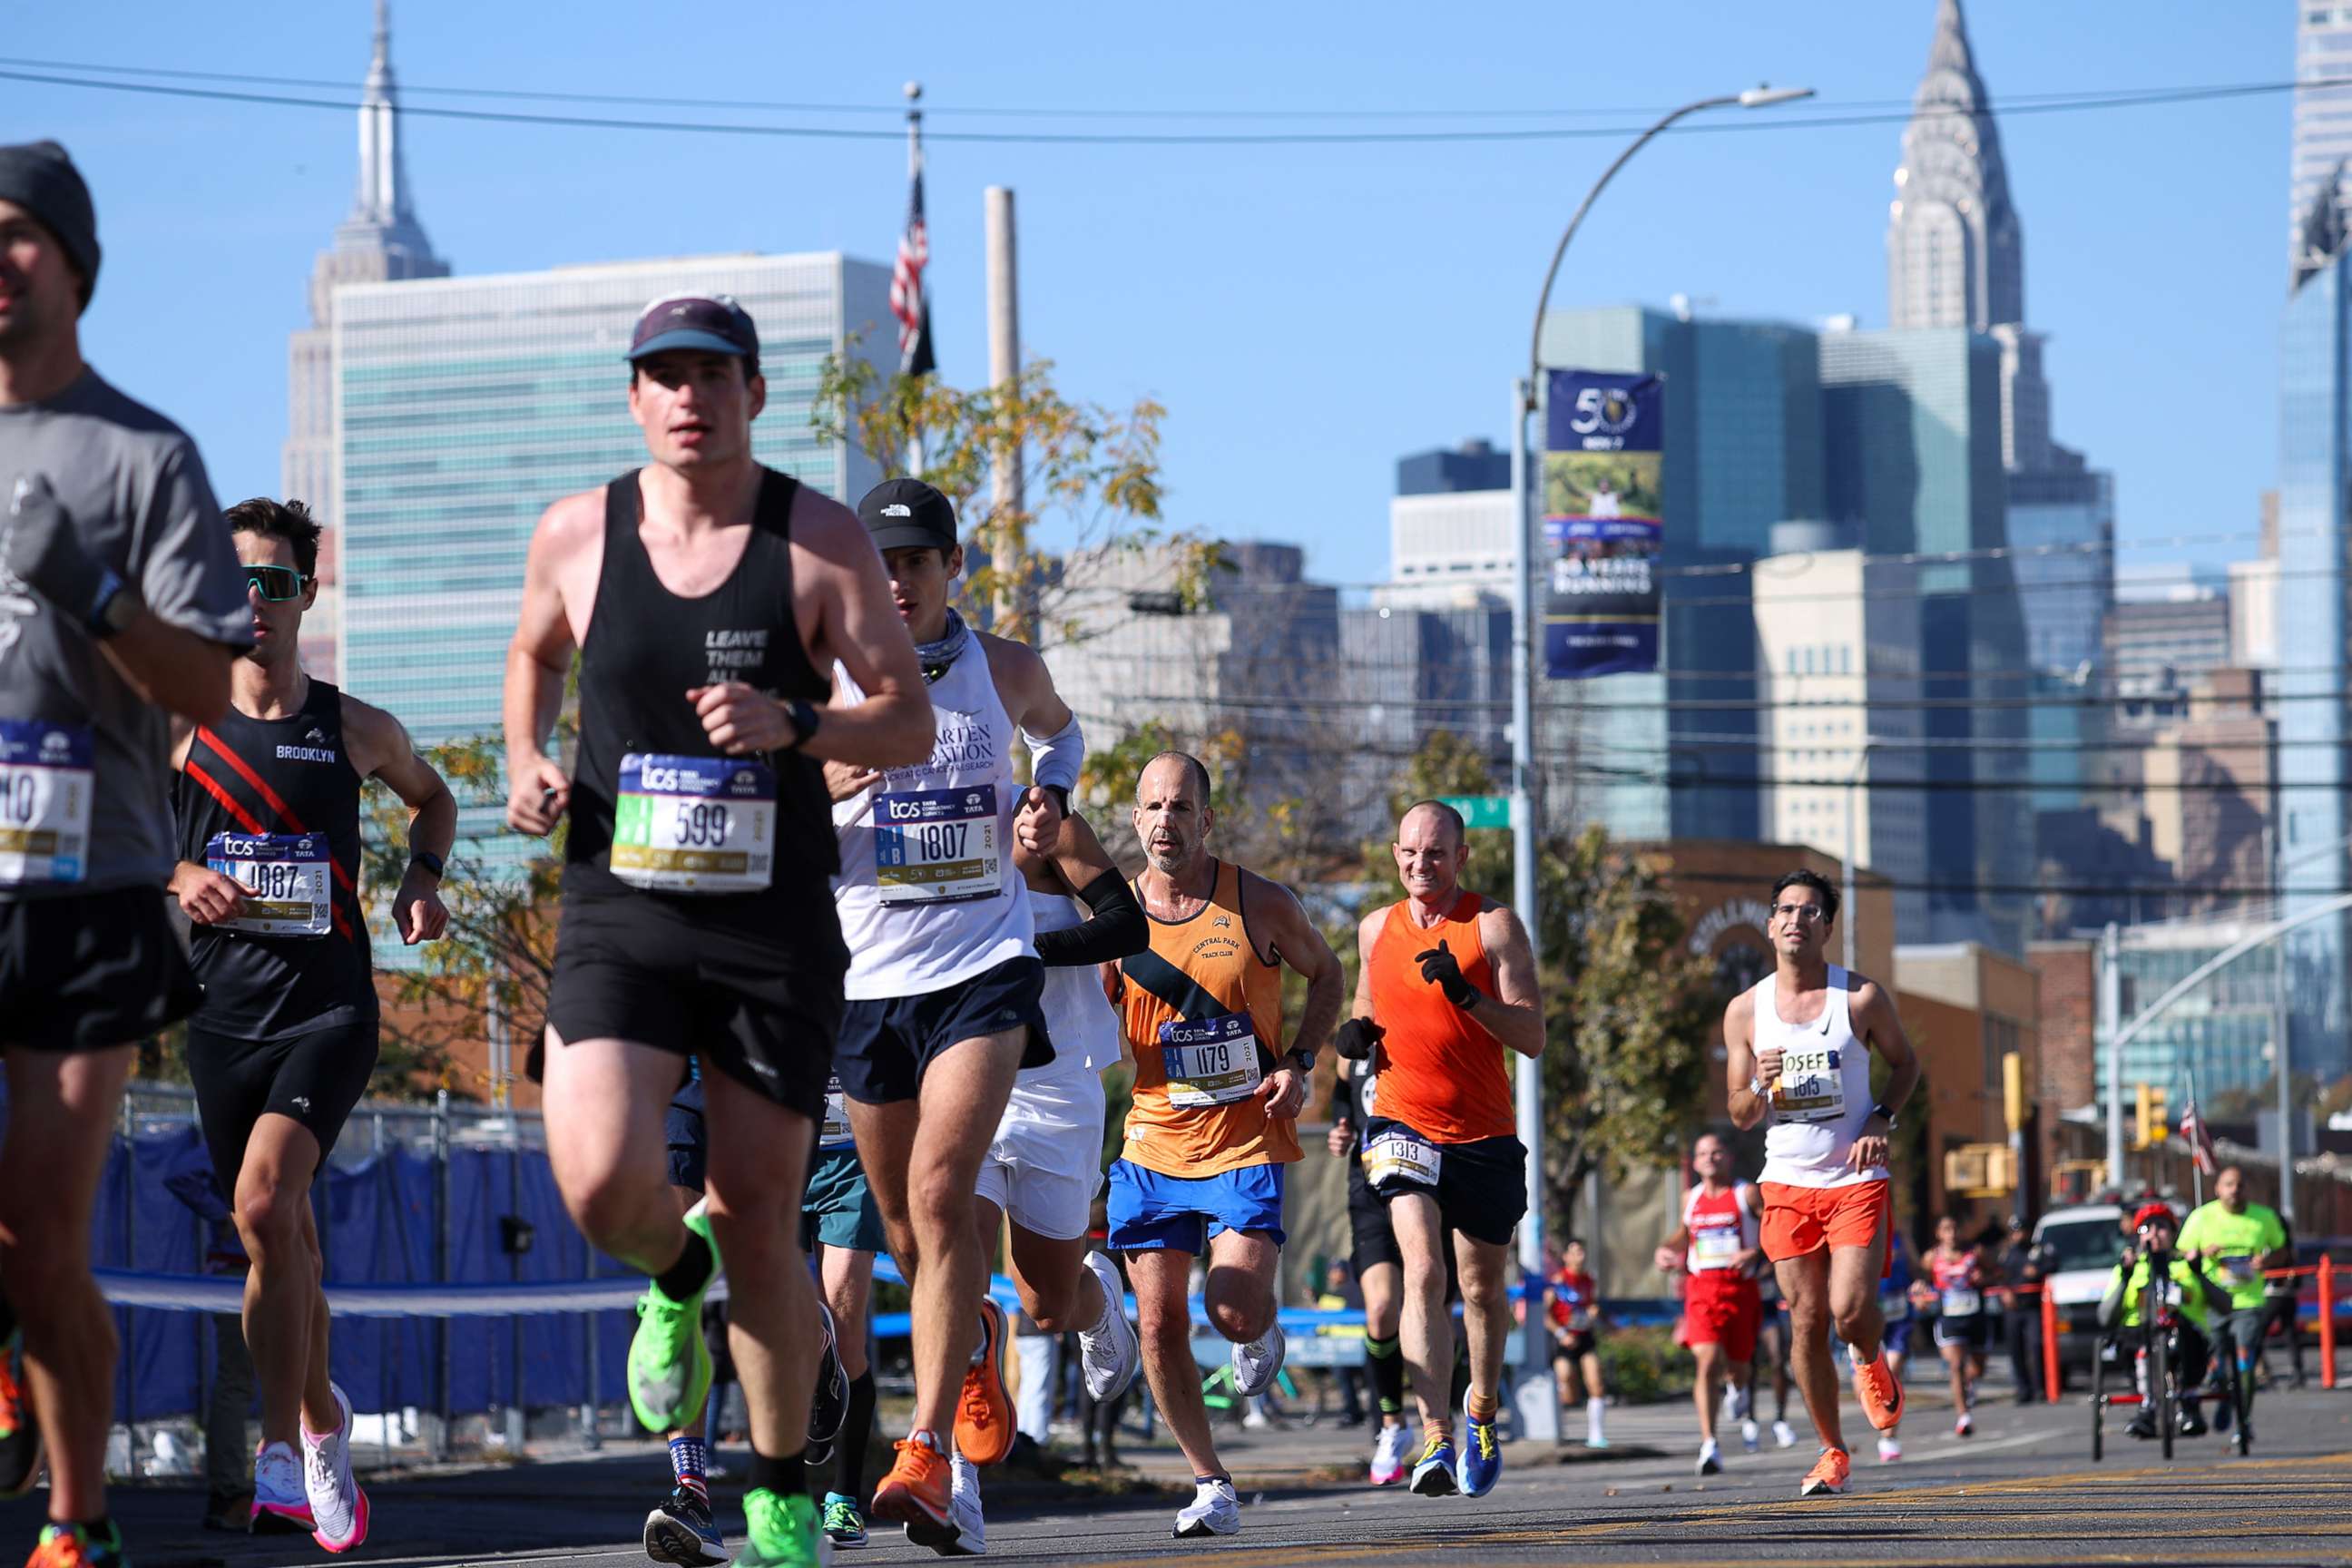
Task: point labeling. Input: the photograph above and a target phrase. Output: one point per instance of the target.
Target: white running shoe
(1216, 1509)
(281, 1504)
(1109, 1350)
(1711, 1459)
(970, 1537)
(338, 1509)
(1751, 1434)
(1784, 1434)
(1257, 1363)
(1965, 1427)
(1390, 1452)
(1889, 1450)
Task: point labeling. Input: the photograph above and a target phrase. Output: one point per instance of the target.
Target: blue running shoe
(1432, 1475)
(1482, 1458)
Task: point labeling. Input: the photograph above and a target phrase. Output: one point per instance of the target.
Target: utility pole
(1008, 536)
(2111, 1022)
(2282, 1055)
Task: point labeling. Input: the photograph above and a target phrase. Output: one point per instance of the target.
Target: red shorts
(1721, 1308)
(1799, 1221)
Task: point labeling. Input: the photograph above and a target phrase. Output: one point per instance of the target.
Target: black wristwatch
(429, 860)
(804, 723)
(1060, 793)
(1882, 1111)
(1303, 1057)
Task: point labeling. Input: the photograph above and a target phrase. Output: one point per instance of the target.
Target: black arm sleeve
(1115, 929)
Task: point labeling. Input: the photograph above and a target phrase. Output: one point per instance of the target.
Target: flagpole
(914, 171)
(2195, 1143)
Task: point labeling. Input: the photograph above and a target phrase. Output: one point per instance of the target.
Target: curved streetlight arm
(1754, 98)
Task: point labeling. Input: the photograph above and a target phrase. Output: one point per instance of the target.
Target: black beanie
(39, 178)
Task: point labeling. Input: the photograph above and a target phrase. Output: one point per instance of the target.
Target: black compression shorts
(886, 1044)
(314, 1078)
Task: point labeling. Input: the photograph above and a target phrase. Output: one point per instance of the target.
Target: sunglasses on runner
(274, 584)
(1803, 915)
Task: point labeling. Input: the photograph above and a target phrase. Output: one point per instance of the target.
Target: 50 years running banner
(1604, 511)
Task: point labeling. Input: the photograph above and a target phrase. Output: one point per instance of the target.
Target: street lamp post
(1533, 1411)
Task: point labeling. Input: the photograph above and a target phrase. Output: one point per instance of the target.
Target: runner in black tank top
(245, 778)
(697, 599)
(268, 803)
(646, 645)
(744, 966)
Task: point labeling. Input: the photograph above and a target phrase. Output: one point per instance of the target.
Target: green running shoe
(670, 1364)
(781, 1532)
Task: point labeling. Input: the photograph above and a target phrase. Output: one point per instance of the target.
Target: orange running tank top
(1203, 1014)
(1445, 1075)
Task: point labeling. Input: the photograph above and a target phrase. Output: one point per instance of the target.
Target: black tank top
(645, 648)
(247, 777)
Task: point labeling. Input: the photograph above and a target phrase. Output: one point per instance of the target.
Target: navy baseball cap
(714, 324)
(907, 514)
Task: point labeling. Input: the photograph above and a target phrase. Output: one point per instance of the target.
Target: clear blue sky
(1307, 314)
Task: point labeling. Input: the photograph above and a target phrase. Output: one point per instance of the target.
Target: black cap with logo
(907, 514)
(714, 324)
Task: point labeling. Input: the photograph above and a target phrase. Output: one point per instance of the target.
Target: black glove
(1439, 967)
(38, 545)
(1356, 1038)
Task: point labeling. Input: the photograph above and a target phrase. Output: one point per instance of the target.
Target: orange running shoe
(1828, 1476)
(915, 1492)
(983, 1422)
(20, 1435)
(1881, 1392)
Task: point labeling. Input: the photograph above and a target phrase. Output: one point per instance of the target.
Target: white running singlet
(927, 895)
(1077, 1015)
(1823, 1095)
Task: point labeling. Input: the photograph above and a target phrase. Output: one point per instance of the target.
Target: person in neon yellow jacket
(2156, 1228)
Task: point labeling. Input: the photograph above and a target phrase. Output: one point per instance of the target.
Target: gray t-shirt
(131, 483)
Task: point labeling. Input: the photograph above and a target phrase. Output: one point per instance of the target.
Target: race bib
(1580, 1315)
(937, 845)
(1713, 1249)
(1811, 1086)
(47, 788)
(1962, 1302)
(1209, 1061)
(835, 1134)
(694, 825)
(1894, 1306)
(288, 880)
(2236, 1268)
(1403, 1156)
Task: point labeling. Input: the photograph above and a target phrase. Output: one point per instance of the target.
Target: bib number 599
(701, 824)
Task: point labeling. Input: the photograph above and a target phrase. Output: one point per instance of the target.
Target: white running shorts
(1046, 1164)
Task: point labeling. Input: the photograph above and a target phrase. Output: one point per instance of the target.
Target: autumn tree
(498, 953)
(1090, 480)
(1628, 1014)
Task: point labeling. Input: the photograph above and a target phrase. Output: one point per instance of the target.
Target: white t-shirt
(1823, 1096)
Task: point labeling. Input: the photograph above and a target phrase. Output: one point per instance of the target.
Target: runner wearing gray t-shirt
(122, 601)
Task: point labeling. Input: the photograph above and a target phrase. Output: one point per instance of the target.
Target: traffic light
(2153, 1118)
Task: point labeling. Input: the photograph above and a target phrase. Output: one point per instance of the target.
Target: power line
(2123, 96)
(1743, 125)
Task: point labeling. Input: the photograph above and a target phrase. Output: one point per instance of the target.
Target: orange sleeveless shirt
(1445, 1075)
(1195, 972)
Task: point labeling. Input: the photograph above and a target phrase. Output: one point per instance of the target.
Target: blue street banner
(1605, 512)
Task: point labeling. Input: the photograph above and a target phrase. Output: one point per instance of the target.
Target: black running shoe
(830, 1407)
(682, 1532)
(20, 1435)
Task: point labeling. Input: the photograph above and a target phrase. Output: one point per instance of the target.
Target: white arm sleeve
(1054, 759)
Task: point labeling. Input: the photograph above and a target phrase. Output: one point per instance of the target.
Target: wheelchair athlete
(2195, 1297)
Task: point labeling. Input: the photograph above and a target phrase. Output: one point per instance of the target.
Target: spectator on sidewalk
(2023, 1263)
(228, 1455)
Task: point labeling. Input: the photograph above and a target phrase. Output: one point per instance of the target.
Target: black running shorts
(89, 970)
(1481, 1186)
(689, 1142)
(763, 1007)
(1371, 1239)
(886, 1045)
(315, 1078)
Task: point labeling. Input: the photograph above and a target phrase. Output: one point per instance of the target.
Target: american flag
(907, 301)
(2199, 1139)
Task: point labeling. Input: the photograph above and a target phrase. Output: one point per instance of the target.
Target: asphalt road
(2023, 1491)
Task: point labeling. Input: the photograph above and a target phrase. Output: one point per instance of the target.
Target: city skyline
(1236, 425)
